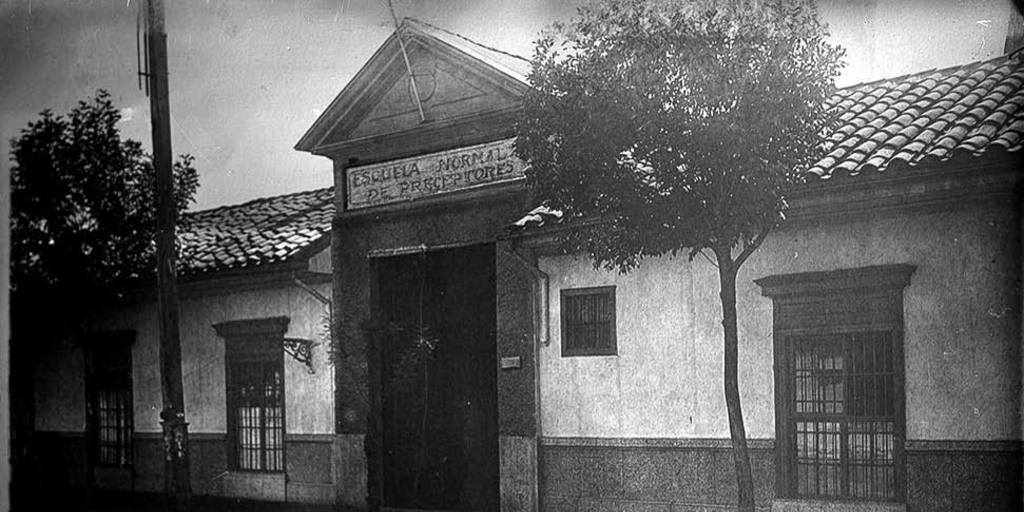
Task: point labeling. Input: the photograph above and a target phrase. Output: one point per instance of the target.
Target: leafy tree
(83, 226)
(678, 126)
(83, 220)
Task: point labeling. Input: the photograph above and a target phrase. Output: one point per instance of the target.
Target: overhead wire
(408, 66)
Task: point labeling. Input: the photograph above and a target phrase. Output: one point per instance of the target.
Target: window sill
(590, 354)
(806, 505)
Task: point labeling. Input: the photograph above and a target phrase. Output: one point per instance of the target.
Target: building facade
(880, 328)
(477, 367)
(257, 380)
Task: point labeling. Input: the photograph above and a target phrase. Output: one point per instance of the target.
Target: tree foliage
(680, 125)
(83, 216)
(666, 126)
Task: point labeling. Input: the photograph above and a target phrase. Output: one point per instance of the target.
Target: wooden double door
(438, 402)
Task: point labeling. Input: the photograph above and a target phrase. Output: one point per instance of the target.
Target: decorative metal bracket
(301, 350)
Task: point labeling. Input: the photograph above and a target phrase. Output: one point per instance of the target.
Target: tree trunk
(741, 458)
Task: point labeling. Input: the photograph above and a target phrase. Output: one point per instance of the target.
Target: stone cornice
(951, 445)
(911, 445)
(906, 189)
(273, 326)
(943, 186)
(466, 130)
(233, 281)
(880, 277)
(655, 442)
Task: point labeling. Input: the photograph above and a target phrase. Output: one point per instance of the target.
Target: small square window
(588, 322)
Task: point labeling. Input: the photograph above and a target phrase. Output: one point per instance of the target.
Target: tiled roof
(932, 116)
(510, 64)
(259, 232)
(935, 115)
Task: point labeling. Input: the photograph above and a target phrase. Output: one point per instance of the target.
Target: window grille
(114, 409)
(254, 353)
(844, 415)
(588, 321)
(256, 398)
(110, 398)
(839, 403)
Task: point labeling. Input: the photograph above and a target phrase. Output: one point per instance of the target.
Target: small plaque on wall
(432, 174)
(511, 363)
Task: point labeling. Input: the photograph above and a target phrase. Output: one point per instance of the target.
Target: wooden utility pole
(177, 489)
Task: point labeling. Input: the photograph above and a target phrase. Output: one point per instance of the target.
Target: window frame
(246, 342)
(96, 382)
(613, 348)
(835, 303)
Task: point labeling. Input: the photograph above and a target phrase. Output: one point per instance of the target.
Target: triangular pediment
(445, 92)
(455, 79)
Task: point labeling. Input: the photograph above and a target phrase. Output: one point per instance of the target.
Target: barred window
(111, 399)
(588, 321)
(839, 383)
(254, 355)
(256, 404)
(844, 415)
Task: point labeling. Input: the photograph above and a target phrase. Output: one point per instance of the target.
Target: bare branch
(749, 248)
(702, 253)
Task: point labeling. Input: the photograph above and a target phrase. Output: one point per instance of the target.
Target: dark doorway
(436, 329)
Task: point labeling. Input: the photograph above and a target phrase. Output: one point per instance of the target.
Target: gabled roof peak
(511, 64)
(504, 73)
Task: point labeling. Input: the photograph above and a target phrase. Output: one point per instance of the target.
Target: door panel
(438, 370)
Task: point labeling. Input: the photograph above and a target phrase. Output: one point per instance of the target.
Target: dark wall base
(964, 477)
(941, 476)
(647, 478)
(207, 463)
(668, 475)
(54, 475)
(148, 501)
(61, 479)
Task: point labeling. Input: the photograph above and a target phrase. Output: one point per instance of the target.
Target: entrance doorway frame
(375, 360)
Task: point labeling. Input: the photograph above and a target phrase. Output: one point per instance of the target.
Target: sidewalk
(154, 502)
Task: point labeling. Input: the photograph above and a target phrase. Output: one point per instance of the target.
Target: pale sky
(247, 78)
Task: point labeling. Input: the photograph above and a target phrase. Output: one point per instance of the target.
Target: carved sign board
(428, 175)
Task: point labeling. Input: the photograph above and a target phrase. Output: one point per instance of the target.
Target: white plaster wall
(308, 397)
(960, 318)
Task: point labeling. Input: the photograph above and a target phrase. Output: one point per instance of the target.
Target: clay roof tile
(254, 233)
